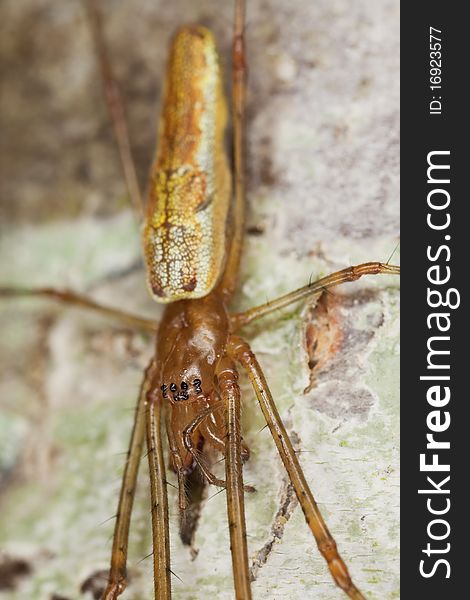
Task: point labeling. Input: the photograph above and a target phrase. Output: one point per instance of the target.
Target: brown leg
(159, 498)
(238, 320)
(230, 392)
(115, 108)
(211, 430)
(177, 464)
(230, 277)
(188, 444)
(241, 351)
(72, 299)
(118, 573)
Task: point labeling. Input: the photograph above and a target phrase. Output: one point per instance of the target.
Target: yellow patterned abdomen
(185, 230)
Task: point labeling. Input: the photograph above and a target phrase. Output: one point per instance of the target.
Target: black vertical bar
(424, 130)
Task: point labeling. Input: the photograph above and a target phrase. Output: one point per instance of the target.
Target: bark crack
(288, 502)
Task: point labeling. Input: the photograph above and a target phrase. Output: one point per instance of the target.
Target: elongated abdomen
(188, 204)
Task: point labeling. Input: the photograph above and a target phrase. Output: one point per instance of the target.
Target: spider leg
(239, 320)
(73, 299)
(229, 390)
(159, 497)
(211, 430)
(118, 572)
(115, 107)
(177, 464)
(242, 352)
(188, 444)
(239, 76)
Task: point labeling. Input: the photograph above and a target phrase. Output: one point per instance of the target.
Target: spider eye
(173, 387)
(184, 385)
